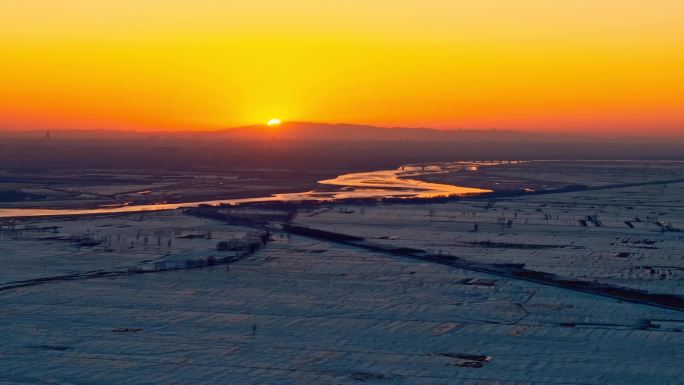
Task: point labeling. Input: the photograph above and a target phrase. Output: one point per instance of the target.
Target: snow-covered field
(632, 236)
(301, 311)
(52, 248)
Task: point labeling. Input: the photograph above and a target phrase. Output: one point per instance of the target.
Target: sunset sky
(589, 66)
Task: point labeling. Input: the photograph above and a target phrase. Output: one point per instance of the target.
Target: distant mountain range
(307, 131)
(357, 132)
(311, 146)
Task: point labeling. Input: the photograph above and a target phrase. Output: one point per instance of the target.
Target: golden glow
(274, 122)
(609, 66)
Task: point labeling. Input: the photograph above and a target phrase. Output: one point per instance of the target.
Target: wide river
(375, 184)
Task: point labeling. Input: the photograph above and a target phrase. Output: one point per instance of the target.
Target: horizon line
(265, 126)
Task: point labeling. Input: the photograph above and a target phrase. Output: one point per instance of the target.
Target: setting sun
(274, 122)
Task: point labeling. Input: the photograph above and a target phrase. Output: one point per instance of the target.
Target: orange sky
(590, 66)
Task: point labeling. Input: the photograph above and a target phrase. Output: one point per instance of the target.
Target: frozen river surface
(374, 184)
